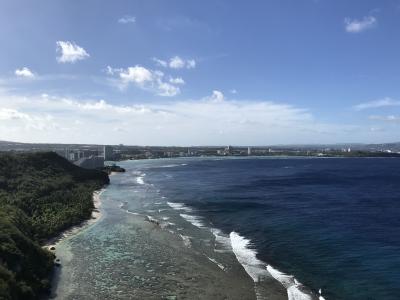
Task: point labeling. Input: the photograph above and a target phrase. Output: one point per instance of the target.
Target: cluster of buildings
(229, 150)
(95, 157)
(89, 158)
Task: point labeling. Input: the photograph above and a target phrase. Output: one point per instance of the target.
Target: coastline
(95, 216)
(172, 263)
(161, 264)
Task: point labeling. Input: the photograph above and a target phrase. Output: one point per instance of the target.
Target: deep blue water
(333, 223)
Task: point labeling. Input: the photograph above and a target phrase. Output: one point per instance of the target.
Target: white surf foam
(247, 257)
(223, 242)
(123, 204)
(295, 290)
(179, 206)
(170, 166)
(221, 266)
(194, 220)
(140, 179)
(152, 219)
(186, 240)
(257, 269)
(320, 295)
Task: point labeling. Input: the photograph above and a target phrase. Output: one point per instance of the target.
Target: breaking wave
(257, 269)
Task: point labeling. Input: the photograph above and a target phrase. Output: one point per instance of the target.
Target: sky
(206, 72)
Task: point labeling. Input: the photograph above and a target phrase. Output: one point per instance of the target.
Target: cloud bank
(212, 120)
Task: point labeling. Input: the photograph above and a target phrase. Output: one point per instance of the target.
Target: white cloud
(385, 102)
(191, 64)
(355, 26)
(233, 91)
(160, 62)
(127, 19)
(11, 114)
(136, 74)
(24, 72)
(216, 96)
(110, 71)
(166, 89)
(177, 80)
(176, 62)
(146, 79)
(70, 52)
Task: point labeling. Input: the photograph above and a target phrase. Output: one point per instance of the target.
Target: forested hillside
(41, 194)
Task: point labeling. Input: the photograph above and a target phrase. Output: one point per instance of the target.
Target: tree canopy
(41, 194)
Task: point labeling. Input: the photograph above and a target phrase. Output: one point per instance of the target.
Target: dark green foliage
(41, 194)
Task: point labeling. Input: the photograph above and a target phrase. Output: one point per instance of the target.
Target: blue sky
(200, 72)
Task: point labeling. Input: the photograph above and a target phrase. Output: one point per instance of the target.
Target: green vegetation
(41, 194)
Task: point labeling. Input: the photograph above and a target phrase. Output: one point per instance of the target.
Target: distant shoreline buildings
(95, 156)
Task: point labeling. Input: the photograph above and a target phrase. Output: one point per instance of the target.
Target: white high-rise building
(248, 150)
(108, 152)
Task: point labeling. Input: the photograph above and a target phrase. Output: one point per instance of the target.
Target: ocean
(316, 225)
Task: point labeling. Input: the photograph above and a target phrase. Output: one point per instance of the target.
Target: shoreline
(94, 217)
(179, 256)
(53, 244)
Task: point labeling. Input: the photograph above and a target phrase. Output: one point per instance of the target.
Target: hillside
(41, 194)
